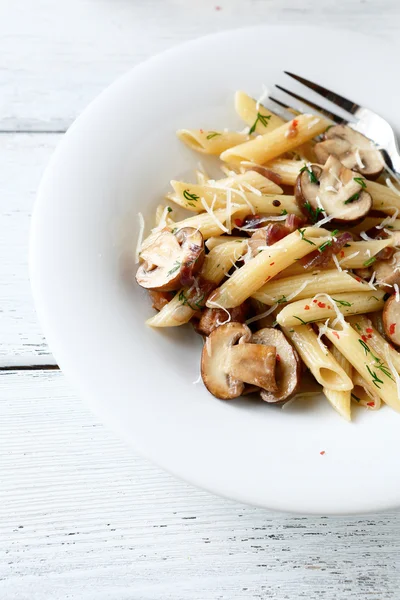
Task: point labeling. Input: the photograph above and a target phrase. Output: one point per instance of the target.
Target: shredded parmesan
(372, 280)
(358, 159)
(140, 237)
(248, 256)
(299, 289)
(209, 210)
(332, 172)
(262, 315)
(330, 188)
(389, 220)
(319, 203)
(366, 237)
(228, 221)
(397, 292)
(222, 308)
(339, 315)
(323, 221)
(163, 220)
(368, 252)
(264, 96)
(390, 185)
(349, 257)
(322, 329)
(392, 369)
(335, 260)
(251, 188)
(313, 122)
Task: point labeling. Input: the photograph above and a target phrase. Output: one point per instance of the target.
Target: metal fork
(361, 119)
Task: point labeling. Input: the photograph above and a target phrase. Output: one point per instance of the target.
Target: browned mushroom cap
(211, 318)
(391, 320)
(171, 260)
(288, 365)
(226, 366)
(387, 272)
(354, 150)
(332, 191)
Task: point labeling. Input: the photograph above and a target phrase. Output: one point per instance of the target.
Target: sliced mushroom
(387, 272)
(354, 150)
(211, 318)
(332, 191)
(226, 366)
(391, 320)
(160, 299)
(171, 260)
(288, 365)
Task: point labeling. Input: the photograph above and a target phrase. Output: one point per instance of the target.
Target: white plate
(116, 160)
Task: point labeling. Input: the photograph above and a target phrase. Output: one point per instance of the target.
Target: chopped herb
(356, 398)
(352, 198)
(284, 212)
(386, 296)
(175, 267)
(281, 300)
(375, 298)
(365, 346)
(379, 364)
(264, 120)
(169, 209)
(301, 231)
(329, 126)
(185, 302)
(325, 245)
(360, 181)
(291, 330)
(358, 326)
(314, 214)
(212, 135)
(342, 302)
(301, 320)
(369, 261)
(275, 323)
(375, 378)
(311, 174)
(189, 196)
(199, 303)
(334, 232)
(175, 229)
(347, 245)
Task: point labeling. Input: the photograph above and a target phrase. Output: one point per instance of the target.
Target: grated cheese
(228, 220)
(251, 188)
(358, 159)
(372, 280)
(392, 369)
(322, 329)
(299, 290)
(140, 237)
(262, 315)
(349, 257)
(390, 185)
(209, 210)
(319, 203)
(366, 237)
(313, 122)
(397, 292)
(222, 308)
(163, 220)
(330, 188)
(248, 256)
(335, 260)
(264, 96)
(323, 221)
(339, 315)
(332, 172)
(389, 220)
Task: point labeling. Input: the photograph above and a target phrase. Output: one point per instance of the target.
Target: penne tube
(321, 362)
(371, 366)
(376, 342)
(162, 214)
(308, 284)
(211, 225)
(211, 142)
(216, 264)
(212, 242)
(383, 198)
(248, 180)
(192, 197)
(201, 177)
(266, 147)
(363, 393)
(260, 269)
(340, 399)
(320, 308)
(370, 222)
(287, 169)
(260, 119)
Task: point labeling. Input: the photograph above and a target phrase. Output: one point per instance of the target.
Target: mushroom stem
(254, 364)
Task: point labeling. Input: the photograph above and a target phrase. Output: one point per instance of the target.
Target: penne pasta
(260, 269)
(370, 222)
(322, 307)
(377, 343)
(283, 139)
(363, 393)
(212, 242)
(340, 399)
(216, 264)
(321, 362)
(371, 366)
(246, 181)
(301, 286)
(383, 198)
(211, 225)
(286, 168)
(258, 118)
(211, 142)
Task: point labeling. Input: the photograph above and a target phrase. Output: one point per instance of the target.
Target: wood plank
(82, 517)
(24, 157)
(63, 58)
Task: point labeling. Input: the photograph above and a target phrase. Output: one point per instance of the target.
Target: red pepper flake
(342, 254)
(238, 222)
(335, 333)
(321, 305)
(322, 452)
(330, 307)
(364, 338)
(369, 330)
(392, 328)
(369, 336)
(295, 123)
(357, 279)
(278, 358)
(218, 8)
(270, 264)
(306, 307)
(370, 403)
(315, 300)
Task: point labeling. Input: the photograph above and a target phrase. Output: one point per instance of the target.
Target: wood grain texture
(81, 517)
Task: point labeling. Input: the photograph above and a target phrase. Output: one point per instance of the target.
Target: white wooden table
(81, 516)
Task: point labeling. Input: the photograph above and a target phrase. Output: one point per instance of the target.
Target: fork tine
(285, 106)
(323, 111)
(344, 103)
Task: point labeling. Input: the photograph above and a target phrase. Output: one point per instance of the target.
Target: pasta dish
(288, 263)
